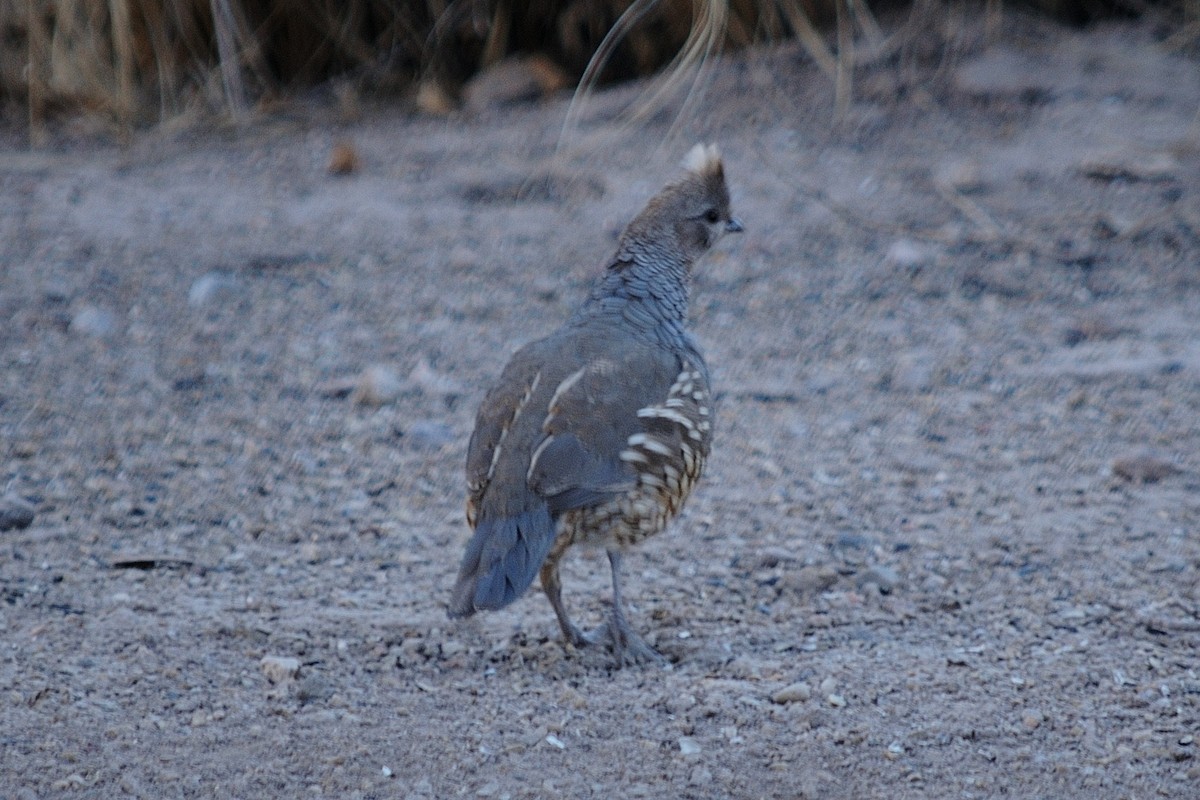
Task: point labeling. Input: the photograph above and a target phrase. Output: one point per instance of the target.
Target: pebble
(343, 159)
(963, 175)
(462, 258)
(15, 512)
(313, 688)
(688, 746)
(679, 703)
(812, 578)
(432, 381)
(518, 79)
(884, 577)
(279, 669)
(1143, 468)
(93, 321)
(428, 434)
(211, 286)
(1130, 166)
(907, 254)
(792, 693)
(377, 385)
(433, 99)
(1002, 71)
(72, 781)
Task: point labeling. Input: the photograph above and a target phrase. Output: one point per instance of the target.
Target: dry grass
(133, 62)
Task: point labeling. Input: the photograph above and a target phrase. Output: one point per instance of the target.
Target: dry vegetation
(131, 62)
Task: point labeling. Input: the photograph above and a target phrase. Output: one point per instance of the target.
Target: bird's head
(694, 210)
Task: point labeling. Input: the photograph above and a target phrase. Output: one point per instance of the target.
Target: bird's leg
(552, 586)
(628, 647)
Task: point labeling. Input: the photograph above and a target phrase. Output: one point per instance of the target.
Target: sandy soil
(948, 544)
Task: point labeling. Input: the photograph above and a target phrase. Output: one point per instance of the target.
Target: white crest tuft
(703, 159)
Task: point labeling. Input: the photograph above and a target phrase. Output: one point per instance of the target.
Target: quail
(597, 433)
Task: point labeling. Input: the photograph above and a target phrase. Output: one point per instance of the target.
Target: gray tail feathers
(501, 560)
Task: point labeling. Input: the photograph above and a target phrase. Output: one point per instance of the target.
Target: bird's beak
(734, 225)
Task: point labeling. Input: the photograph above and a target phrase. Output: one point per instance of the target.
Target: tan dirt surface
(949, 541)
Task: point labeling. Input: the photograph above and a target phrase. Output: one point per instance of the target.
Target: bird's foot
(628, 648)
(577, 638)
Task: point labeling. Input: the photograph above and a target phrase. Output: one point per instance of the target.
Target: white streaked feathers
(529, 390)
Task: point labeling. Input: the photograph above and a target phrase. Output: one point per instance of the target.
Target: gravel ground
(949, 540)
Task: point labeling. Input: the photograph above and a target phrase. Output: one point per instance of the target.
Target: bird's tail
(501, 560)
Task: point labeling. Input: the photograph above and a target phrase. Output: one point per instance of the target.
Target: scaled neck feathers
(647, 287)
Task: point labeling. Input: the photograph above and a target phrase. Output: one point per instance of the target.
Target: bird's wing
(593, 424)
(502, 411)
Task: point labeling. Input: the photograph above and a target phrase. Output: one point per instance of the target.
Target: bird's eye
(711, 216)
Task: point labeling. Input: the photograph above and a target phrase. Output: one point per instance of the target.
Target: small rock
(25, 449)
(343, 159)
(1110, 224)
(15, 512)
(907, 254)
(432, 381)
(313, 688)
(1000, 71)
(428, 434)
(210, 286)
(828, 686)
(514, 80)
(1130, 166)
(1143, 468)
(836, 700)
(93, 321)
(55, 292)
(792, 693)
(961, 175)
(432, 98)
(913, 371)
(679, 703)
(813, 578)
(885, 578)
(280, 669)
(689, 747)
(1032, 720)
(1093, 329)
(377, 385)
(72, 781)
(462, 257)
